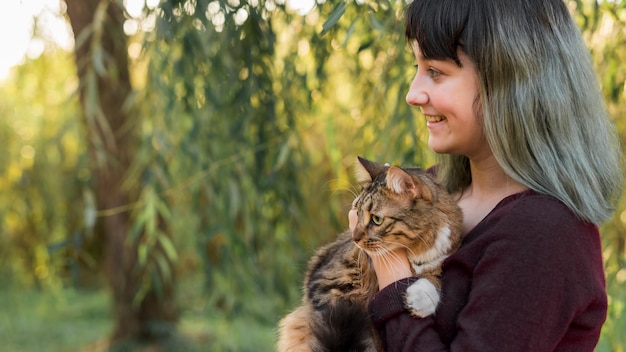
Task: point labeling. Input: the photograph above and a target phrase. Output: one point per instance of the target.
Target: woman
(512, 104)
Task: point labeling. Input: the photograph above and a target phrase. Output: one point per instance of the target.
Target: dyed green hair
(541, 106)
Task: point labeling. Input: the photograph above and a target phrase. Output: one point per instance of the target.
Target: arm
(534, 283)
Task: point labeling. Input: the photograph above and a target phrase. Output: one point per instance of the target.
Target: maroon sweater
(528, 277)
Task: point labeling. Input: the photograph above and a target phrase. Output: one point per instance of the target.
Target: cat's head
(402, 207)
(401, 181)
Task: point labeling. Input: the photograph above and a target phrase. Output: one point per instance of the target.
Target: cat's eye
(377, 220)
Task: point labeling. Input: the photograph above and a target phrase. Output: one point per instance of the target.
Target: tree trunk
(102, 67)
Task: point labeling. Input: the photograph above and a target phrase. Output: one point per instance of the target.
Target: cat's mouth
(372, 247)
(431, 118)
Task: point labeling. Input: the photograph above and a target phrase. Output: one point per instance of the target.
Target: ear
(401, 182)
(366, 171)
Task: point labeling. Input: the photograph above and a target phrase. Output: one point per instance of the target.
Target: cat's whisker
(391, 260)
(385, 260)
(405, 246)
(355, 190)
(349, 190)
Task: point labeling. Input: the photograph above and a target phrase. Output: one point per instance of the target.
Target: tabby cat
(397, 207)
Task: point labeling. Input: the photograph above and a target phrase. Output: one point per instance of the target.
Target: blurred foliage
(604, 27)
(251, 116)
(44, 178)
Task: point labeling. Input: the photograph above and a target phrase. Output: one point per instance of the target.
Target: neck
(490, 184)
(490, 181)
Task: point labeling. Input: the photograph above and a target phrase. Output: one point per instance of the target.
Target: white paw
(422, 298)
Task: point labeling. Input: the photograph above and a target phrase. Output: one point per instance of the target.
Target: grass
(45, 321)
(74, 320)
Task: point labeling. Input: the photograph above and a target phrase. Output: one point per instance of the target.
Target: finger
(353, 218)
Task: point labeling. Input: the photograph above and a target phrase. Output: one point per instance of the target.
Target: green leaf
(141, 294)
(165, 269)
(142, 255)
(282, 155)
(98, 61)
(334, 16)
(349, 32)
(365, 45)
(168, 247)
(376, 23)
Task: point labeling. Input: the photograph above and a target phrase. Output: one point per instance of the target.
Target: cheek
(446, 103)
(457, 93)
(470, 123)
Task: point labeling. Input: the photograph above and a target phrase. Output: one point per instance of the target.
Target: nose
(353, 218)
(417, 95)
(358, 233)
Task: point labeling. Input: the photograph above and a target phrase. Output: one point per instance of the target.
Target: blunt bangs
(437, 26)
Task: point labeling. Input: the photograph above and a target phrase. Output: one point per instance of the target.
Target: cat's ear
(400, 182)
(365, 171)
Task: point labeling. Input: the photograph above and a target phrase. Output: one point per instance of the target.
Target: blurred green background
(165, 182)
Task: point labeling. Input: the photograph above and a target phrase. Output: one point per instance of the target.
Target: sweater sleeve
(398, 330)
(536, 284)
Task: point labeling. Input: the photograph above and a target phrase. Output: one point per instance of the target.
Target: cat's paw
(422, 298)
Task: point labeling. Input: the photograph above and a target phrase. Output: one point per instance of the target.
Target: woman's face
(446, 95)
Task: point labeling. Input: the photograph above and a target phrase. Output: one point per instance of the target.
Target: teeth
(434, 118)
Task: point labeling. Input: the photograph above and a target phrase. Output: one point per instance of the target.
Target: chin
(439, 149)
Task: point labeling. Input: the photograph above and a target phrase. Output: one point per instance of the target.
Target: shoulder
(540, 231)
(542, 214)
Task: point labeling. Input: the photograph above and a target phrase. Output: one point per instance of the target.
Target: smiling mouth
(434, 118)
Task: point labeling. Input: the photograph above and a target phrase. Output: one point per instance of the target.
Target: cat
(397, 207)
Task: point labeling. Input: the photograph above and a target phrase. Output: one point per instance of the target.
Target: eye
(377, 220)
(433, 73)
(430, 71)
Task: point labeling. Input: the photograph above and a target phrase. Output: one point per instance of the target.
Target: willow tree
(141, 307)
(224, 109)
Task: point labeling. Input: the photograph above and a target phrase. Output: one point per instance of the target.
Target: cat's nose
(357, 234)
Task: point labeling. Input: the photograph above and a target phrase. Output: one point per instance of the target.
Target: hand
(389, 267)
